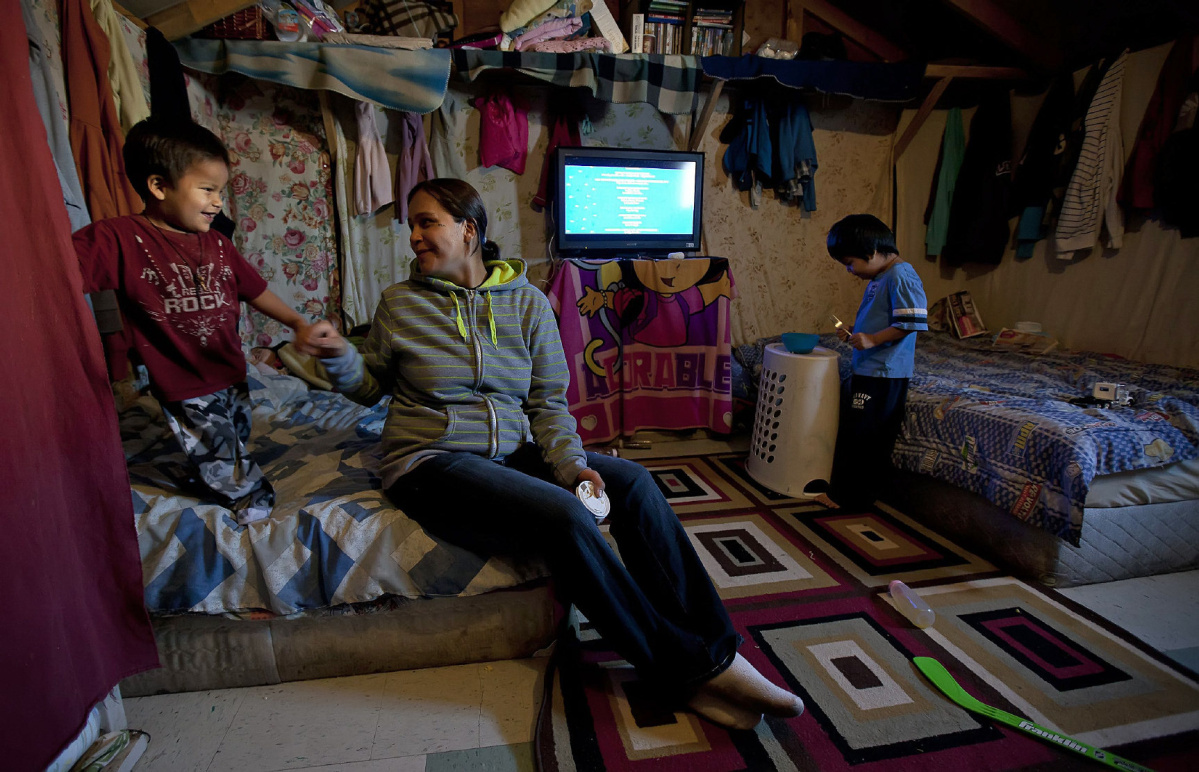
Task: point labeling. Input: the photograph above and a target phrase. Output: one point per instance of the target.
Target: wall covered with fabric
(1133, 302)
(785, 279)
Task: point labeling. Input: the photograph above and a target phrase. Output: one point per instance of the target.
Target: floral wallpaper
(279, 195)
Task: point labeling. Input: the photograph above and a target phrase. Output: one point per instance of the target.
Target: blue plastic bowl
(800, 342)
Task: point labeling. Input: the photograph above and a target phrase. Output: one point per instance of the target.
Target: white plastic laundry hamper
(795, 428)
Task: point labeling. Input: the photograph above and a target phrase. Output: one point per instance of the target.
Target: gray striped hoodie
(475, 370)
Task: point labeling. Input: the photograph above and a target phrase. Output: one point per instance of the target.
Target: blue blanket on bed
(333, 537)
(1000, 423)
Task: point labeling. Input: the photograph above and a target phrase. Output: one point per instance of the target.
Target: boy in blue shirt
(893, 308)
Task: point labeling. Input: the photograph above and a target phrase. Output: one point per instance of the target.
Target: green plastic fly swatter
(936, 672)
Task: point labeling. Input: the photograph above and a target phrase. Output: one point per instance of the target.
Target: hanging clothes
(953, 148)
(1174, 188)
(44, 94)
(978, 217)
(503, 130)
(447, 125)
(795, 159)
(1090, 200)
(565, 114)
(127, 94)
(748, 158)
(1039, 165)
(1156, 127)
(372, 176)
(95, 133)
(414, 164)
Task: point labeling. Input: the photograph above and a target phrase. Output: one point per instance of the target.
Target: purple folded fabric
(552, 29)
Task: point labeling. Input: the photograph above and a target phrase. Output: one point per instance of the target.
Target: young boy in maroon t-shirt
(180, 285)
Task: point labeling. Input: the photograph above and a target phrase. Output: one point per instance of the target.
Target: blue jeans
(657, 609)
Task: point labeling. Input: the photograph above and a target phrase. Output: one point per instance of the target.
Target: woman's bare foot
(722, 712)
(743, 685)
(822, 498)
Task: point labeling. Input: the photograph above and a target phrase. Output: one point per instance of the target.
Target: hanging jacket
(1038, 168)
(414, 164)
(468, 370)
(372, 184)
(795, 154)
(747, 160)
(953, 146)
(978, 218)
(1091, 196)
(1156, 127)
(95, 129)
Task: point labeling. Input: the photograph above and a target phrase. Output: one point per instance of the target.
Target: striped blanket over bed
(333, 538)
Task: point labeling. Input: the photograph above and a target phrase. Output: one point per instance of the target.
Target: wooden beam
(128, 15)
(794, 26)
(967, 71)
(996, 22)
(850, 27)
(194, 15)
(921, 115)
(697, 134)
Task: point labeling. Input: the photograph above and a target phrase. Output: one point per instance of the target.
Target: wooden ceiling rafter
(997, 23)
(846, 25)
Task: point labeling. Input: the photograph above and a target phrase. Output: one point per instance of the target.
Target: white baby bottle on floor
(912, 605)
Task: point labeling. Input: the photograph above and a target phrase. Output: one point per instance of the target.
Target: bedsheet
(1000, 424)
(333, 537)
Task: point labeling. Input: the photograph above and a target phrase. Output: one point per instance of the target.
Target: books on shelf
(662, 28)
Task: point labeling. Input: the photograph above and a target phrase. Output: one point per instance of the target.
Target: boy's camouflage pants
(213, 430)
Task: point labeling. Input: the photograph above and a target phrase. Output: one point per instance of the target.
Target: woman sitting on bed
(470, 354)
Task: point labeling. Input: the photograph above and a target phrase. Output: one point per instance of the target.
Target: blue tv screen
(618, 201)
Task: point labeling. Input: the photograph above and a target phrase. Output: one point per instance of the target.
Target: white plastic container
(795, 423)
(911, 605)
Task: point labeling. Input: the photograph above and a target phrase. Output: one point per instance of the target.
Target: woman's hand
(320, 340)
(593, 477)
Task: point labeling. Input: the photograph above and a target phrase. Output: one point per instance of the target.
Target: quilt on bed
(1000, 424)
(333, 537)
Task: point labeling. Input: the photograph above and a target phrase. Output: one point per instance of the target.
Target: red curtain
(73, 619)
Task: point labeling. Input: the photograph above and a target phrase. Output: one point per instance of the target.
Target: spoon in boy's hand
(840, 327)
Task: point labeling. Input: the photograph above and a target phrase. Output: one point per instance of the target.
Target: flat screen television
(611, 202)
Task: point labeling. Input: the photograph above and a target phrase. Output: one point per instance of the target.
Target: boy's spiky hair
(860, 235)
(168, 148)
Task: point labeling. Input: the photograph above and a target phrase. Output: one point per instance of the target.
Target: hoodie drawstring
(491, 323)
(458, 316)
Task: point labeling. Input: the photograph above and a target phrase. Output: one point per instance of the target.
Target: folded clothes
(551, 30)
(571, 46)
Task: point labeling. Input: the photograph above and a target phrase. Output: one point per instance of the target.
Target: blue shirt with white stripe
(894, 298)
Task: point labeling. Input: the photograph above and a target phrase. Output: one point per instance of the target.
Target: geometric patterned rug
(807, 589)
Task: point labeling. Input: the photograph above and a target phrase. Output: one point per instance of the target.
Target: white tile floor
(481, 717)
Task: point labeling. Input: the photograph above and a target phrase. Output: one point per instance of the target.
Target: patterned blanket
(669, 83)
(1000, 423)
(333, 537)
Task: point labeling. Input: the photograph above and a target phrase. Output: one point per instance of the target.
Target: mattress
(1117, 542)
(1157, 485)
